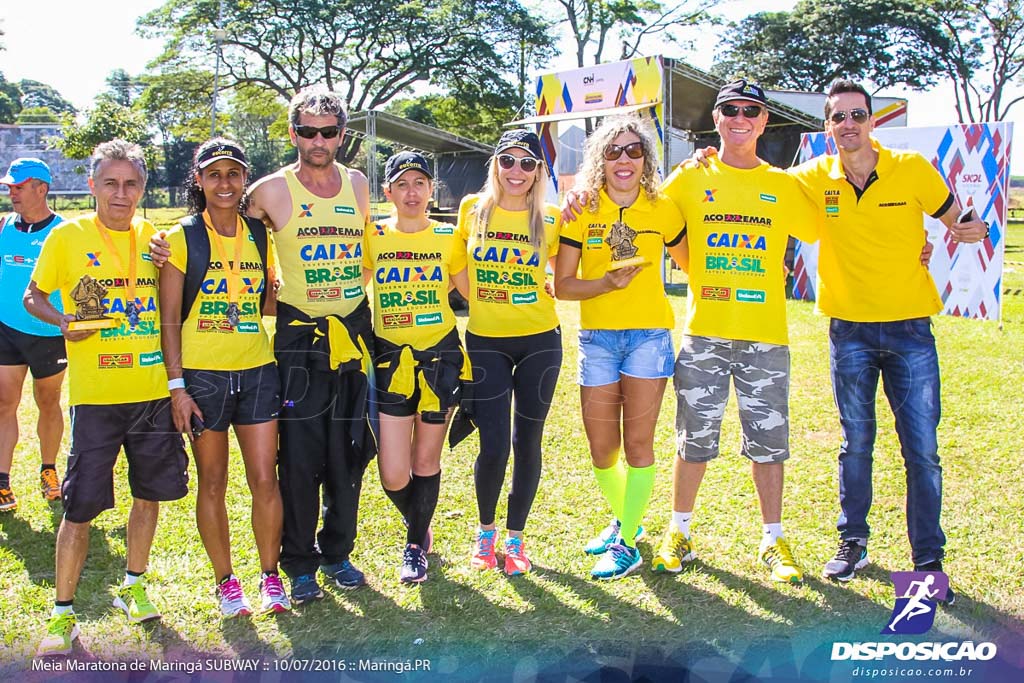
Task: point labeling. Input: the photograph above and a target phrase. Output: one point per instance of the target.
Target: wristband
(178, 383)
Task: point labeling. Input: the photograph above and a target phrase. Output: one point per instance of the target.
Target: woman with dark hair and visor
(609, 261)
(419, 360)
(213, 293)
(513, 338)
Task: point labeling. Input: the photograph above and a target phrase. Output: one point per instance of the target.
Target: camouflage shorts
(760, 373)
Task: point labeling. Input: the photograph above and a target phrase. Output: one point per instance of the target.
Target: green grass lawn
(469, 622)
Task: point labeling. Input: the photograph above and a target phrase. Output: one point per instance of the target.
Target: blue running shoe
(414, 564)
(345, 575)
(619, 561)
(305, 589)
(598, 545)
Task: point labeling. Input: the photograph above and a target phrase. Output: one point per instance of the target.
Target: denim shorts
(605, 355)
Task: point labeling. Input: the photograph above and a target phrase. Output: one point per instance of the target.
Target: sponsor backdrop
(975, 161)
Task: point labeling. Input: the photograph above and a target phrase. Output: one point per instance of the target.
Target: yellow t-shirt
(869, 265)
(320, 251)
(208, 342)
(120, 364)
(642, 304)
(411, 275)
(738, 223)
(506, 273)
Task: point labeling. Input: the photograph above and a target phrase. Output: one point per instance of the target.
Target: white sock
(130, 580)
(63, 609)
(772, 533)
(681, 520)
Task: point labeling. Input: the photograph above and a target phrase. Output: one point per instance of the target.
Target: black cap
(741, 90)
(523, 139)
(221, 151)
(398, 164)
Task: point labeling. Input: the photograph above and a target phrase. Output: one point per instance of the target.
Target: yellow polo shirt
(869, 266)
(642, 304)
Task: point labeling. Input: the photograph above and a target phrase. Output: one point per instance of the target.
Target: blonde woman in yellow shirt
(608, 260)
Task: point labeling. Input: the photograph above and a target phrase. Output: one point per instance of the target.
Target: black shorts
(397, 405)
(44, 356)
(239, 397)
(157, 466)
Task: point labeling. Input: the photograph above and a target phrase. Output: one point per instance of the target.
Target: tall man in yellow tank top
(317, 209)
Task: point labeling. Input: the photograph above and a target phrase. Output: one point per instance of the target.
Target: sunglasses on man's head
(634, 150)
(750, 111)
(858, 115)
(507, 161)
(309, 132)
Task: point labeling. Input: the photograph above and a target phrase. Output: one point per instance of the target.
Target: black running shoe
(936, 566)
(851, 556)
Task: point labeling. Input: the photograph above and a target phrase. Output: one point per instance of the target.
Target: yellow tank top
(320, 252)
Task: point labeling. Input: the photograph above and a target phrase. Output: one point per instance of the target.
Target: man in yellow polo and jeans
(118, 384)
(879, 296)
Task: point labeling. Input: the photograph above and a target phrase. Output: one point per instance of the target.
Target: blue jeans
(903, 353)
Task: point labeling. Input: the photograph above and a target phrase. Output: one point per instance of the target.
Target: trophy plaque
(90, 313)
(620, 241)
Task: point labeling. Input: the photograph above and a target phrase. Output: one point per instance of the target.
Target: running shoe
(272, 595)
(7, 500)
(49, 484)
(344, 574)
(305, 589)
(674, 551)
(617, 562)
(232, 600)
(851, 556)
(599, 544)
(414, 564)
(516, 561)
(483, 550)
(61, 631)
(135, 603)
(779, 558)
(936, 566)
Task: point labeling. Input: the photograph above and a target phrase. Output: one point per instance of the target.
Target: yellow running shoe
(49, 484)
(674, 551)
(61, 631)
(779, 558)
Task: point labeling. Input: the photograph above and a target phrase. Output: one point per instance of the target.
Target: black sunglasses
(750, 111)
(507, 161)
(858, 115)
(634, 150)
(309, 132)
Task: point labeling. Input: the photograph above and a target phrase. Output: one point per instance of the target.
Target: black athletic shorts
(240, 397)
(157, 465)
(44, 356)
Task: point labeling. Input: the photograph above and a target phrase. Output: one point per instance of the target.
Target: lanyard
(235, 267)
(132, 263)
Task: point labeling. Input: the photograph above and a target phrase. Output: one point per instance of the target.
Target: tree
(879, 41)
(123, 88)
(369, 50)
(31, 115)
(105, 121)
(36, 94)
(259, 120)
(481, 118)
(591, 22)
(10, 100)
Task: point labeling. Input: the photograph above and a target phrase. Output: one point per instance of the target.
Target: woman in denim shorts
(609, 259)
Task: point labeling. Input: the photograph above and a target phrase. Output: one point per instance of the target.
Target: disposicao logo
(917, 594)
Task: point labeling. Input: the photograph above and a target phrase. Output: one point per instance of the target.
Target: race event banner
(975, 161)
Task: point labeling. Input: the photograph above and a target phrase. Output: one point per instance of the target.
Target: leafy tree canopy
(36, 94)
(105, 121)
(30, 115)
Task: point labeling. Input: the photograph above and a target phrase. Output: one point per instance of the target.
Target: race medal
(233, 314)
(620, 241)
(234, 268)
(131, 313)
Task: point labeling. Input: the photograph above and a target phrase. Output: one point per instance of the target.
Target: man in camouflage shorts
(739, 212)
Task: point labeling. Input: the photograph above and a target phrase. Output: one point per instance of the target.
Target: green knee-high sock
(639, 485)
(612, 481)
